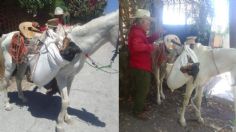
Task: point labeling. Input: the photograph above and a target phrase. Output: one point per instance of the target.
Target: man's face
(145, 24)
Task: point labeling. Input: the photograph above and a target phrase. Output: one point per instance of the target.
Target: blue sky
(112, 5)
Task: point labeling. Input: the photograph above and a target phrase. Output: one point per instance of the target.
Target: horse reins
(101, 68)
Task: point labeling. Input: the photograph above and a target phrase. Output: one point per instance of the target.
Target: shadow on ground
(44, 106)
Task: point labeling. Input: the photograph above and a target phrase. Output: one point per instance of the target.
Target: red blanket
(162, 55)
(17, 48)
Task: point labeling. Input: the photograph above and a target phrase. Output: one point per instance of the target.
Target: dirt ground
(218, 115)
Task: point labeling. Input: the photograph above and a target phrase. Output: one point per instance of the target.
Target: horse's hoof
(163, 96)
(158, 102)
(69, 121)
(8, 107)
(182, 123)
(201, 120)
(60, 128)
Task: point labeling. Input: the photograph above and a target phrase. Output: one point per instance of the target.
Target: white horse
(212, 62)
(88, 37)
(166, 54)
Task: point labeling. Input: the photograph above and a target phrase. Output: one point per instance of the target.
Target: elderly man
(140, 48)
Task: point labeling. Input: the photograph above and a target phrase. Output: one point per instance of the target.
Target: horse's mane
(107, 21)
(201, 47)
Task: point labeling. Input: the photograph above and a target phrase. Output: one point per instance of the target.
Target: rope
(101, 68)
(64, 31)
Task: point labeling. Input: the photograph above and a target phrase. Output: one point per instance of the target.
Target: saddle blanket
(17, 48)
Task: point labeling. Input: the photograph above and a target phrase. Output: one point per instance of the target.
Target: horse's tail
(2, 66)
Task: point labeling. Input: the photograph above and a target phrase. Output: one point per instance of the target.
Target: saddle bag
(45, 66)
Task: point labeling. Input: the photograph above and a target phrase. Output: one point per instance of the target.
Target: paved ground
(93, 103)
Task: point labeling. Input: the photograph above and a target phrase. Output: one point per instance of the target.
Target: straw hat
(58, 11)
(52, 23)
(142, 13)
(27, 29)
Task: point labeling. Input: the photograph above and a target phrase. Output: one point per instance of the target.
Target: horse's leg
(69, 83)
(67, 117)
(198, 101)
(157, 75)
(9, 69)
(5, 85)
(162, 76)
(62, 84)
(189, 90)
(233, 76)
(21, 69)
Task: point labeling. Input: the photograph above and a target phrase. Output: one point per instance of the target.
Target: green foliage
(86, 10)
(83, 10)
(59, 3)
(32, 6)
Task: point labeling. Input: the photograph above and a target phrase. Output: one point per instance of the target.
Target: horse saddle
(29, 29)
